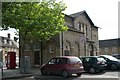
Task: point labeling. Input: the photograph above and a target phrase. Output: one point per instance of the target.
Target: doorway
(37, 58)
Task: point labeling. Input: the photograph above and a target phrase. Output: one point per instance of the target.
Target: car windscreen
(116, 56)
(75, 60)
(111, 58)
(101, 59)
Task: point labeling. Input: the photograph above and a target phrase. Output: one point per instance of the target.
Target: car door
(108, 62)
(50, 66)
(55, 66)
(86, 63)
(58, 66)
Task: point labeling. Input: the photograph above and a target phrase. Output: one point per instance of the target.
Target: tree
(33, 20)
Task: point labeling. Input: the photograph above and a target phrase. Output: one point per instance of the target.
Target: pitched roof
(2, 44)
(75, 15)
(109, 42)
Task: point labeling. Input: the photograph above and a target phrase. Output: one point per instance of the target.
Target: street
(107, 75)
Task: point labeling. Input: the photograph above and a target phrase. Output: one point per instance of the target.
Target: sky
(103, 13)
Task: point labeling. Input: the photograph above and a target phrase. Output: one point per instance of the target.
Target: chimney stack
(9, 35)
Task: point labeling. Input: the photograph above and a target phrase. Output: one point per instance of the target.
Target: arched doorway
(76, 51)
(91, 50)
(67, 50)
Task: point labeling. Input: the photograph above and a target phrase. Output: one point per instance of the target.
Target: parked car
(64, 65)
(112, 62)
(116, 56)
(93, 64)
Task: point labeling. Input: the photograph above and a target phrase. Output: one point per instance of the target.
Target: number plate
(77, 65)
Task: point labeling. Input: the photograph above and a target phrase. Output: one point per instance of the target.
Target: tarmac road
(108, 75)
(60, 78)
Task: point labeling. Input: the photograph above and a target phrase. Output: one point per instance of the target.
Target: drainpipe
(41, 53)
(62, 42)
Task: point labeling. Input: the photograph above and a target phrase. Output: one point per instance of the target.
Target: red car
(64, 65)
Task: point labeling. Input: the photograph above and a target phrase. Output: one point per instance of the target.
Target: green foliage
(34, 20)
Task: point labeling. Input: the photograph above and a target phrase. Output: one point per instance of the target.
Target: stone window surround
(51, 49)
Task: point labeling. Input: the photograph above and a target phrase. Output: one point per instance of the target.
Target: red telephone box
(11, 60)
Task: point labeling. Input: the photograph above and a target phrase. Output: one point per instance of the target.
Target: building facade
(81, 39)
(6, 45)
(109, 46)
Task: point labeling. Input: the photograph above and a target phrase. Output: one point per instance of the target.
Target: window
(106, 49)
(67, 51)
(79, 26)
(52, 61)
(51, 49)
(114, 49)
(36, 46)
(2, 39)
(5, 41)
(94, 37)
(100, 50)
(74, 60)
(6, 48)
(86, 60)
(27, 47)
(82, 27)
(86, 30)
(64, 61)
(10, 42)
(15, 50)
(92, 60)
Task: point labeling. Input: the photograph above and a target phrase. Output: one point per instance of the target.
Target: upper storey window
(2, 39)
(83, 28)
(37, 46)
(86, 30)
(27, 47)
(79, 25)
(5, 41)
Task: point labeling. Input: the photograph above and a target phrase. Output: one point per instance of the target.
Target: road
(107, 75)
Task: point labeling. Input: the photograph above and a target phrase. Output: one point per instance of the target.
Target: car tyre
(79, 74)
(43, 72)
(65, 73)
(113, 67)
(92, 70)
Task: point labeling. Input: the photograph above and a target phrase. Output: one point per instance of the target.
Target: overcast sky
(103, 13)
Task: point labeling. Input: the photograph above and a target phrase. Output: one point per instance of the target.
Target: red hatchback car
(64, 65)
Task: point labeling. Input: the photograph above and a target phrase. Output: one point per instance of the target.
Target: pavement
(15, 73)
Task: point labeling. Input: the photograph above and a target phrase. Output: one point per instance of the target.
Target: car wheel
(92, 70)
(79, 74)
(43, 72)
(65, 73)
(113, 67)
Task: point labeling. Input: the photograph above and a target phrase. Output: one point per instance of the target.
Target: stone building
(81, 39)
(109, 46)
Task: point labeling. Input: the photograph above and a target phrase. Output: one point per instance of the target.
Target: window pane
(114, 49)
(106, 49)
(51, 49)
